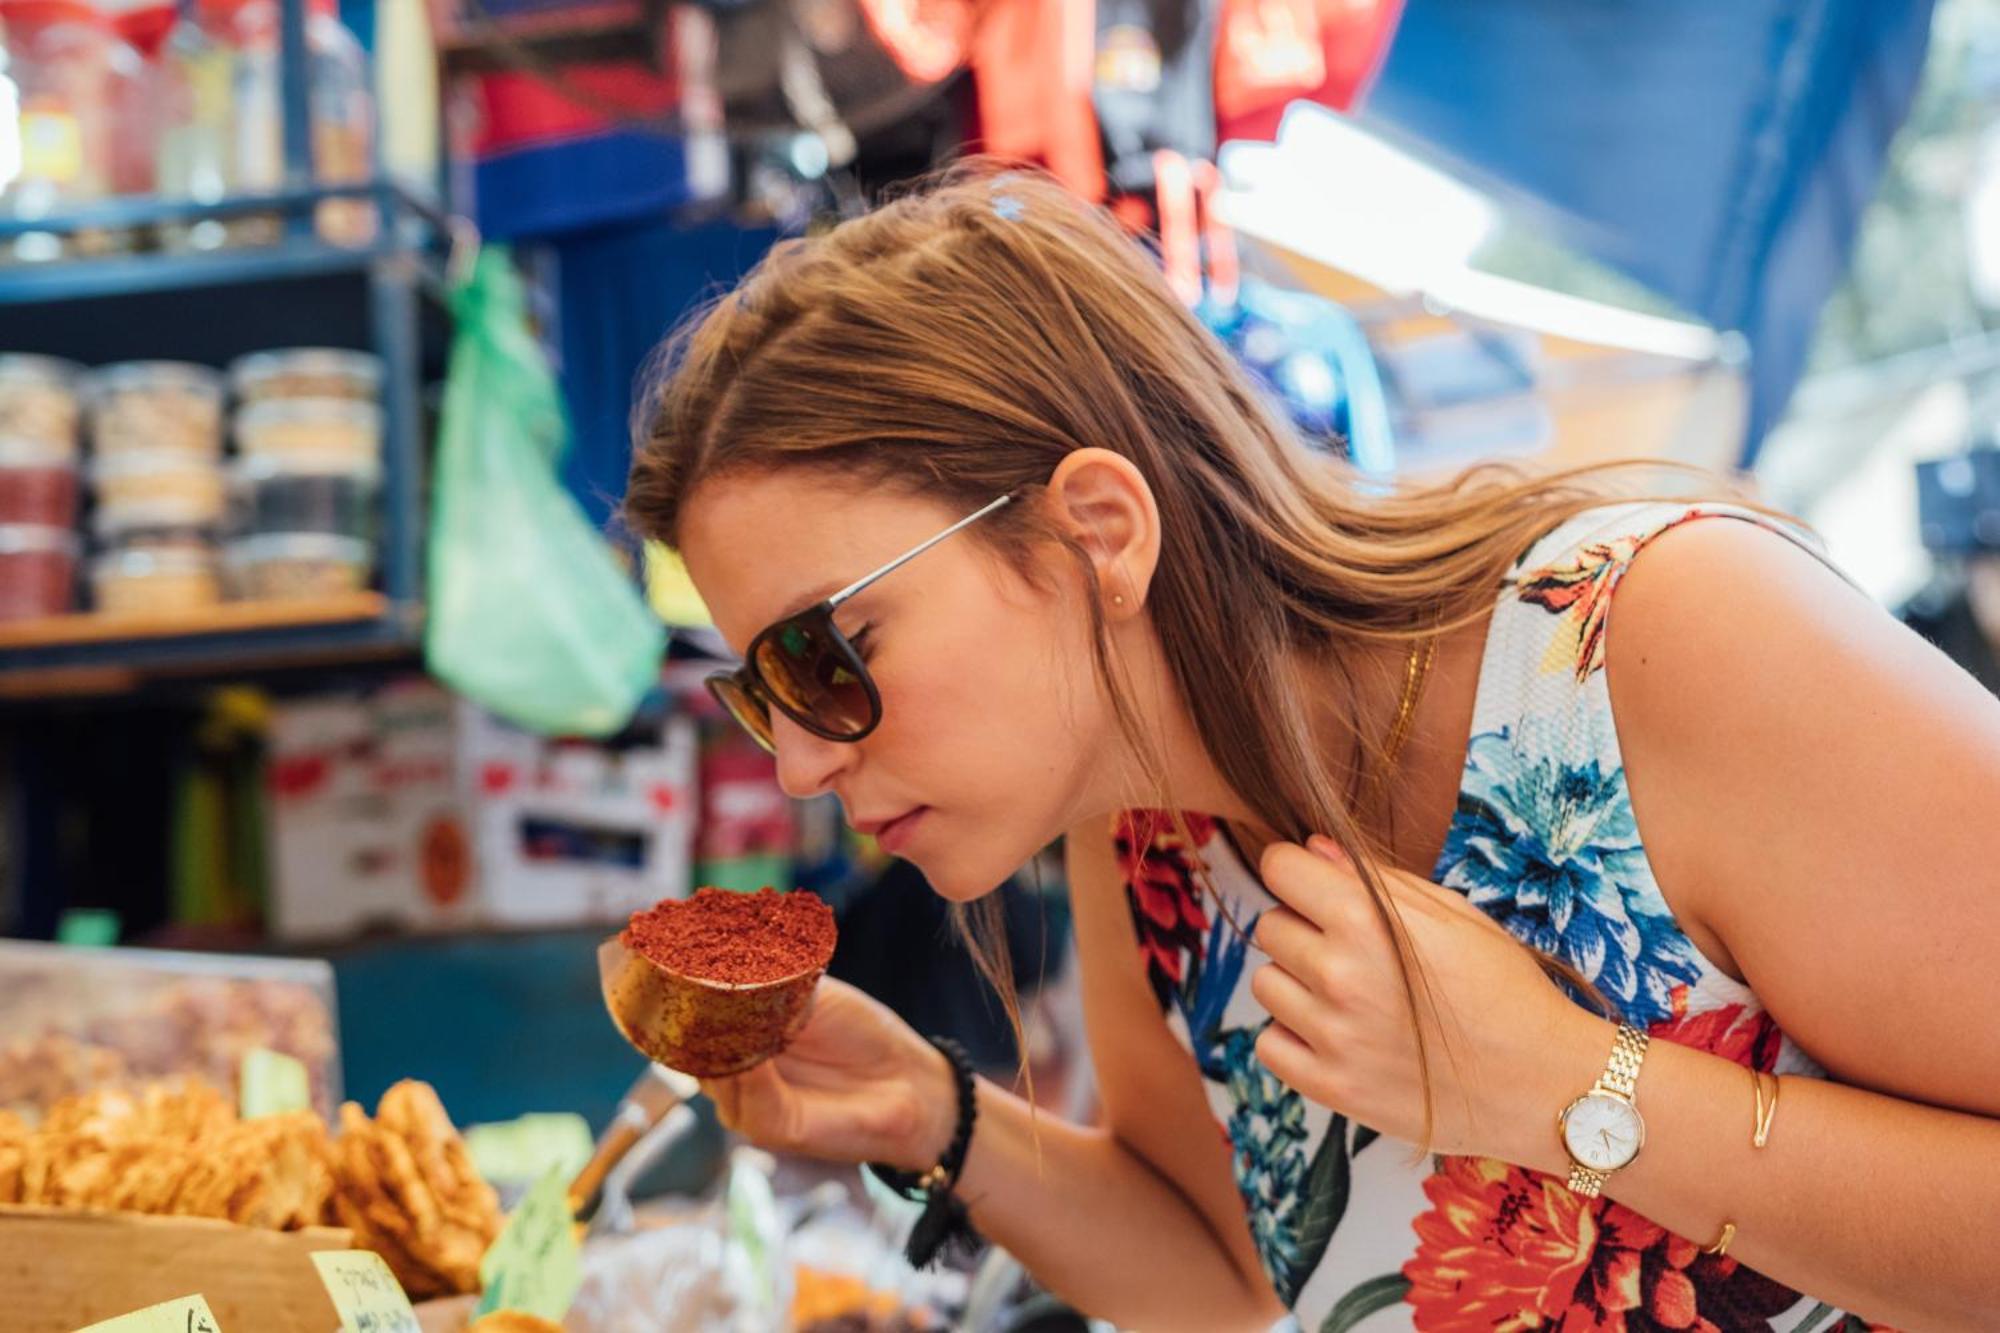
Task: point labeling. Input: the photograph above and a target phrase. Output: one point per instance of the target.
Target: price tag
(534, 1266)
(189, 1314)
(366, 1293)
(272, 1084)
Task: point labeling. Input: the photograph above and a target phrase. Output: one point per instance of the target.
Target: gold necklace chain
(1415, 671)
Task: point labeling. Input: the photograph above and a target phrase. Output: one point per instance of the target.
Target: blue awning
(1719, 151)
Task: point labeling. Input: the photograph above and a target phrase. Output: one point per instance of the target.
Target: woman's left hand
(1506, 1047)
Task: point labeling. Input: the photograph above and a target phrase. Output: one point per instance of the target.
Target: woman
(1086, 578)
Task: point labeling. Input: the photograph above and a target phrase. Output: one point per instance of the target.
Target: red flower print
(1507, 1248)
(1157, 863)
(1733, 1031)
(1580, 589)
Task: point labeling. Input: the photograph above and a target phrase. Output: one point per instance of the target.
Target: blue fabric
(1719, 151)
(574, 183)
(621, 290)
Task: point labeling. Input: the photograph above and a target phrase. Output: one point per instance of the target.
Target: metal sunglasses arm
(904, 559)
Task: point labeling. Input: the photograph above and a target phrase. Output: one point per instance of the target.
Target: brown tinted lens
(748, 710)
(815, 678)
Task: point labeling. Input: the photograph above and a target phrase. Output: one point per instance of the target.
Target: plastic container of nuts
(290, 565)
(156, 489)
(310, 425)
(156, 406)
(155, 580)
(37, 483)
(38, 400)
(307, 491)
(306, 372)
(37, 571)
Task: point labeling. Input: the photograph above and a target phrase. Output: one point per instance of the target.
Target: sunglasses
(807, 668)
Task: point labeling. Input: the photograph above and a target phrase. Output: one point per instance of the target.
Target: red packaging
(37, 571)
(37, 484)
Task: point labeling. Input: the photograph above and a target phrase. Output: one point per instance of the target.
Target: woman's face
(994, 729)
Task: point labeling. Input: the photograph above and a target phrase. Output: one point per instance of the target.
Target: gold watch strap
(1584, 1181)
(1628, 1052)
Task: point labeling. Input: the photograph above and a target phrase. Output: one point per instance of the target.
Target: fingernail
(1322, 845)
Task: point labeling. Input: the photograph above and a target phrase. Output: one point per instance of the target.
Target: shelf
(96, 652)
(410, 232)
(226, 618)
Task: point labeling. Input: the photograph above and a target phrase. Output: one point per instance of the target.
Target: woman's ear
(1103, 501)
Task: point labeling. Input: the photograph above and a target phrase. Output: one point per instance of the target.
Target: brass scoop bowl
(709, 1029)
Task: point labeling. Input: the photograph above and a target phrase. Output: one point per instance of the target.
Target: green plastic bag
(531, 614)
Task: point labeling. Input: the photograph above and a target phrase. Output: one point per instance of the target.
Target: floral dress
(1544, 841)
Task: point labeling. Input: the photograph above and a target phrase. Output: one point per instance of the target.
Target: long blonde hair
(957, 342)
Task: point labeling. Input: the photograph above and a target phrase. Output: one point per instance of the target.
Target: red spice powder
(738, 938)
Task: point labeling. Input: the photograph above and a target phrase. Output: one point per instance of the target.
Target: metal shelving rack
(386, 297)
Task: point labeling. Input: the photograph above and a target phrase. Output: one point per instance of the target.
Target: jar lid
(31, 539)
(22, 452)
(128, 376)
(300, 546)
(152, 463)
(362, 367)
(138, 562)
(343, 464)
(309, 411)
(22, 368)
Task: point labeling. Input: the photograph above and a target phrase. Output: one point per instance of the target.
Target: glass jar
(155, 581)
(232, 140)
(38, 485)
(143, 406)
(306, 492)
(39, 400)
(197, 158)
(37, 571)
(306, 372)
(294, 566)
(73, 77)
(322, 426)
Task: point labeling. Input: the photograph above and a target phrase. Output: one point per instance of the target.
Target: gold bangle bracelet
(1766, 1111)
(1721, 1246)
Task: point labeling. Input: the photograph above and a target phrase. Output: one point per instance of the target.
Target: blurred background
(338, 719)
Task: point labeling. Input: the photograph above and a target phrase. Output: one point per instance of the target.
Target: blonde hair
(957, 342)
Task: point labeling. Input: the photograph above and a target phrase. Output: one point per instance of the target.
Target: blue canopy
(1719, 151)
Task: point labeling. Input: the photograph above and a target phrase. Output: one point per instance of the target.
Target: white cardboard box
(412, 808)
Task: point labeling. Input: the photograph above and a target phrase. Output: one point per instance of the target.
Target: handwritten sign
(272, 1084)
(189, 1314)
(534, 1266)
(366, 1293)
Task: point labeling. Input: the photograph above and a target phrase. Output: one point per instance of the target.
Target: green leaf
(1375, 1294)
(1363, 1136)
(1814, 1319)
(1325, 1204)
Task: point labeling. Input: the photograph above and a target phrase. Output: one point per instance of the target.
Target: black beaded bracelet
(944, 1224)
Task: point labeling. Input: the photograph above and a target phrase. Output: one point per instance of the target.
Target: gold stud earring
(1117, 599)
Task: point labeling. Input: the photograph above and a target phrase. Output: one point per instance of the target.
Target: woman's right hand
(856, 1084)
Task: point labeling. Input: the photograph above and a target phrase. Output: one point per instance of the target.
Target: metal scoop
(706, 1028)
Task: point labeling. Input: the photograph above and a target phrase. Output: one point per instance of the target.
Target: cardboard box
(570, 832)
(63, 1270)
(367, 814)
(410, 808)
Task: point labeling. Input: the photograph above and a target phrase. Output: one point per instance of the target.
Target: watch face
(1603, 1132)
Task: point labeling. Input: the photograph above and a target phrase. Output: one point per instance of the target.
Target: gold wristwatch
(1602, 1130)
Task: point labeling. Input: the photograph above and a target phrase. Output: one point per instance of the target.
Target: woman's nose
(806, 763)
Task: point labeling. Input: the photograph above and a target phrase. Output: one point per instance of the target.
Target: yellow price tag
(189, 1314)
(366, 1293)
(272, 1084)
(534, 1266)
